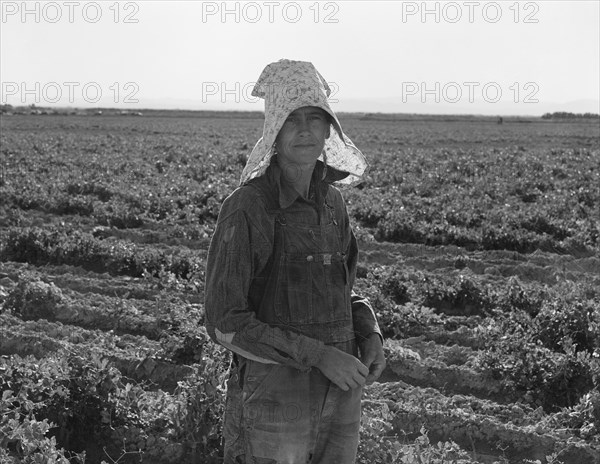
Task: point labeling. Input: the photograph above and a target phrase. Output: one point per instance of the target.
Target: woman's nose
(303, 125)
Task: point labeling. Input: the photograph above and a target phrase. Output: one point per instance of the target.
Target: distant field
(480, 250)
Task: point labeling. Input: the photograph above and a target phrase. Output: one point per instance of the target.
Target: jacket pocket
(256, 380)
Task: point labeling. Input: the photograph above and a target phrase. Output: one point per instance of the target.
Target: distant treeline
(567, 115)
(38, 110)
(211, 114)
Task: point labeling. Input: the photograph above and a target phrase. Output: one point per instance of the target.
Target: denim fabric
(285, 416)
(308, 286)
(278, 289)
(240, 267)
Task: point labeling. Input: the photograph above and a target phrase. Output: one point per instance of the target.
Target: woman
(280, 271)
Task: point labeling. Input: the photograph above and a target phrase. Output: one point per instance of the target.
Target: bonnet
(285, 86)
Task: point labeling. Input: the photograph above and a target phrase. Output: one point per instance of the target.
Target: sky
(436, 57)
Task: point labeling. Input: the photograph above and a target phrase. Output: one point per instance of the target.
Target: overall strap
(272, 205)
(270, 199)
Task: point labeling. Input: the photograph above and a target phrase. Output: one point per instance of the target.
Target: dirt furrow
(483, 427)
(135, 357)
(427, 364)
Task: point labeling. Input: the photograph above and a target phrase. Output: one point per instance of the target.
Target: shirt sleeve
(238, 251)
(364, 319)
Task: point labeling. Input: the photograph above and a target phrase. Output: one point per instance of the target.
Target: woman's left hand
(372, 356)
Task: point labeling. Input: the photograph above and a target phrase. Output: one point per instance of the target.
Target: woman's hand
(342, 369)
(372, 356)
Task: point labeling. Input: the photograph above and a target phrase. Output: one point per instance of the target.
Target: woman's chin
(305, 154)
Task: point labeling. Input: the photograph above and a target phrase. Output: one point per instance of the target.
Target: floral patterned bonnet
(285, 86)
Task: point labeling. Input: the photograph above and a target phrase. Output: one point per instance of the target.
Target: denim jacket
(280, 273)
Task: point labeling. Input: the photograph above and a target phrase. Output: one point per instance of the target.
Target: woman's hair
(329, 118)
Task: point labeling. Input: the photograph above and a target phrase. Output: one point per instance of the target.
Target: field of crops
(480, 251)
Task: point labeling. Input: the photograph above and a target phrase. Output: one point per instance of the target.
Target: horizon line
(261, 112)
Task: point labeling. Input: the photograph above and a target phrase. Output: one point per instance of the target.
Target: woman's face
(302, 136)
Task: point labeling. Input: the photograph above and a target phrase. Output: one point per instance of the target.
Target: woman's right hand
(342, 369)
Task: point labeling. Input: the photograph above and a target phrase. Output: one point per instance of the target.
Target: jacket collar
(287, 194)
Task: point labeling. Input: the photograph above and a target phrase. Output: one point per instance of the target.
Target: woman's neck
(297, 175)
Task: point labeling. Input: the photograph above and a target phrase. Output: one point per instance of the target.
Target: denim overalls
(307, 289)
(275, 413)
